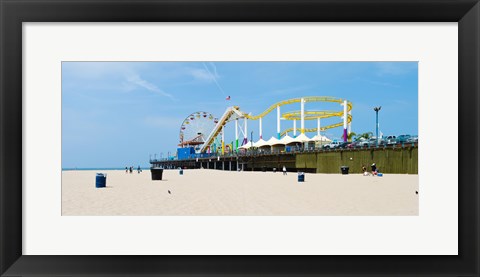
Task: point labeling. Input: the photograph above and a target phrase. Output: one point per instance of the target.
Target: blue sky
(116, 114)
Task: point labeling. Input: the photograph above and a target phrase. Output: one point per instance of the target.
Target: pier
(396, 160)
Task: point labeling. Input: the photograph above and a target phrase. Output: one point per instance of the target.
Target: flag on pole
(228, 98)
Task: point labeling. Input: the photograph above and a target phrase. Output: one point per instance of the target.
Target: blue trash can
(301, 177)
(101, 180)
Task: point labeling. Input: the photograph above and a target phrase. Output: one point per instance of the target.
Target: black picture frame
(14, 12)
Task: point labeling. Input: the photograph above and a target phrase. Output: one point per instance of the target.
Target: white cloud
(214, 76)
(214, 69)
(201, 75)
(134, 78)
(116, 75)
(205, 74)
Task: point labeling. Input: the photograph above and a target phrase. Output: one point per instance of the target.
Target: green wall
(388, 160)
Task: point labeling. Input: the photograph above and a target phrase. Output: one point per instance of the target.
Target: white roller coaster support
(223, 139)
(246, 131)
(318, 126)
(236, 134)
(345, 116)
(260, 127)
(302, 116)
(294, 128)
(278, 122)
(349, 123)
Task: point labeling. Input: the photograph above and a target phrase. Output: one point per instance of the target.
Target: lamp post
(377, 109)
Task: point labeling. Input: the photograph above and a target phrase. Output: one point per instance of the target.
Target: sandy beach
(214, 192)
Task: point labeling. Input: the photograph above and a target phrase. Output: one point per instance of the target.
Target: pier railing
(292, 150)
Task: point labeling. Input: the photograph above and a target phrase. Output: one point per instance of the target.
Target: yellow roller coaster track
(310, 115)
(297, 100)
(311, 130)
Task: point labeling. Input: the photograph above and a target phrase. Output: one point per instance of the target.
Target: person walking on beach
(131, 169)
(374, 169)
(139, 169)
(126, 169)
(364, 170)
(284, 170)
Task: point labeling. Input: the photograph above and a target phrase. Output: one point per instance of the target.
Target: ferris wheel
(195, 128)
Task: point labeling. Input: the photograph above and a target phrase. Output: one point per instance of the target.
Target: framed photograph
(239, 138)
(278, 122)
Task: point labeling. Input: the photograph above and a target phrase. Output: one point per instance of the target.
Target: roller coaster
(234, 114)
(310, 115)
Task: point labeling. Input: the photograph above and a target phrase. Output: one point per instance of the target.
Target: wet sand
(215, 192)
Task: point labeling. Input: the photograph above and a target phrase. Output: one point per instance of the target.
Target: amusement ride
(206, 133)
(195, 128)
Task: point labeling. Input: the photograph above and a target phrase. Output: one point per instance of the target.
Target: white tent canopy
(260, 143)
(301, 138)
(246, 146)
(320, 138)
(286, 140)
(273, 141)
